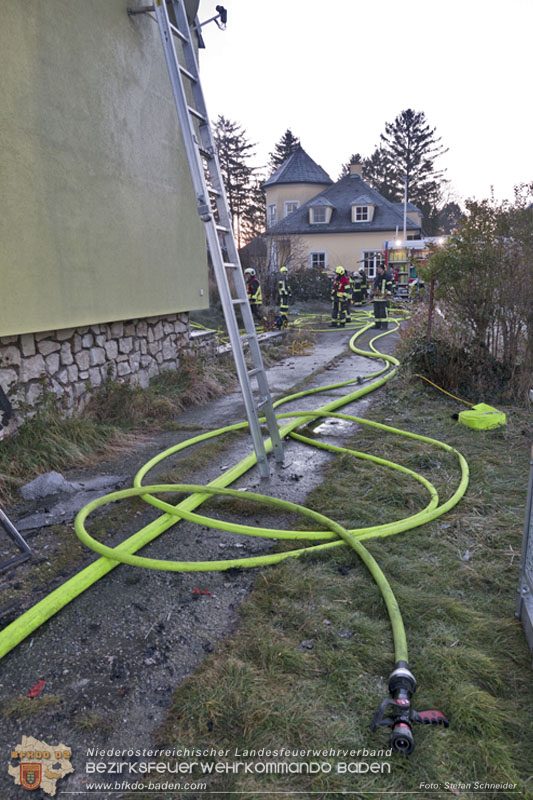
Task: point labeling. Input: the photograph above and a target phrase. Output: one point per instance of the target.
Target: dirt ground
(112, 657)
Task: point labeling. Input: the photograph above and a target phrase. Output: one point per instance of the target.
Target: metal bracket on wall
(21, 543)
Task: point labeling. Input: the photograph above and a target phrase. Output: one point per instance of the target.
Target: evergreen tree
(449, 217)
(234, 151)
(411, 148)
(356, 158)
(379, 173)
(283, 149)
(254, 216)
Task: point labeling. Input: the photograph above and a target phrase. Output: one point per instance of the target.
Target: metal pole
(10, 529)
(524, 607)
(405, 211)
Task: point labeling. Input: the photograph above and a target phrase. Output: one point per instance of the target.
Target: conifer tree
(378, 171)
(254, 216)
(283, 149)
(234, 151)
(410, 148)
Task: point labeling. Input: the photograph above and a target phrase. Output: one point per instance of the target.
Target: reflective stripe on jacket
(283, 286)
(255, 295)
(383, 284)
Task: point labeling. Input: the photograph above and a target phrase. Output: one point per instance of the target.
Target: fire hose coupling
(402, 686)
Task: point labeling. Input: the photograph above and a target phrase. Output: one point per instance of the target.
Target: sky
(335, 72)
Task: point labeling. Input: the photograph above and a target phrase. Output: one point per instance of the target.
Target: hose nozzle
(402, 685)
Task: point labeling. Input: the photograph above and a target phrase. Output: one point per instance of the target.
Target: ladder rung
(178, 33)
(230, 265)
(222, 228)
(187, 74)
(240, 300)
(262, 403)
(214, 192)
(254, 371)
(196, 114)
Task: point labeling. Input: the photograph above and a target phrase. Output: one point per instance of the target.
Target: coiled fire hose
(402, 684)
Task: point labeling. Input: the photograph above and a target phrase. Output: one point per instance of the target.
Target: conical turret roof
(299, 168)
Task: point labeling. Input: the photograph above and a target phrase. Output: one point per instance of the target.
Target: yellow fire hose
(402, 683)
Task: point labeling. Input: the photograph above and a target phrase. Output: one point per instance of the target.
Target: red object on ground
(201, 591)
(35, 690)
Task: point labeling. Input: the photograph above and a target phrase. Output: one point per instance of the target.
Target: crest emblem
(31, 775)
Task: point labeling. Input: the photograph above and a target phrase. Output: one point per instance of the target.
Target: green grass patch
(310, 661)
(24, 708)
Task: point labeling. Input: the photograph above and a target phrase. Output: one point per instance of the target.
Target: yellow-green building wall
(98, 218)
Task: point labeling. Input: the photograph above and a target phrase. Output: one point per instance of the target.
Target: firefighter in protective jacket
(349, 296)
(382, 294)
(360, 284)
(284, 292)
(339, 298)
(255, 296)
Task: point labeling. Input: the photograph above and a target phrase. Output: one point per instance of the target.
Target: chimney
(356, 169)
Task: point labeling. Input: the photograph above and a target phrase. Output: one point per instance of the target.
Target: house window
(318, 214)
(318, 260)
(272, 214)
(361, 214)
(372, 259)
(290, 206)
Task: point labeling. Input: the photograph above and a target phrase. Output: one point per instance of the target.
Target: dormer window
(363, 210)
(361, 213)
(320, 211)
(318, 214)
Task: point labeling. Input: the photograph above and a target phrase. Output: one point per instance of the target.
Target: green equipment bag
(482, 417)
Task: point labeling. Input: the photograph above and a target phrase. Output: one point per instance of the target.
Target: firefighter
(364, 284)
(349, 297)
(284, 292)
(255, 297)
(339, 299)
(382, 293)
(358, 295)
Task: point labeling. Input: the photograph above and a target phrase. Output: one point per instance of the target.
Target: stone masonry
(72, 362)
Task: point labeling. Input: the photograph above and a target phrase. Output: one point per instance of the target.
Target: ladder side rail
(178, 91)
(238, 354)
(200, 186)
(268, 408)
(208, 143)
(213, 166)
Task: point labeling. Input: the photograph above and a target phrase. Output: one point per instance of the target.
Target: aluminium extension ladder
(207, 180)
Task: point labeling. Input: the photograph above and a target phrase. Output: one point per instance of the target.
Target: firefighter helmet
(340, 270)
(250, 271)
(284, 269)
